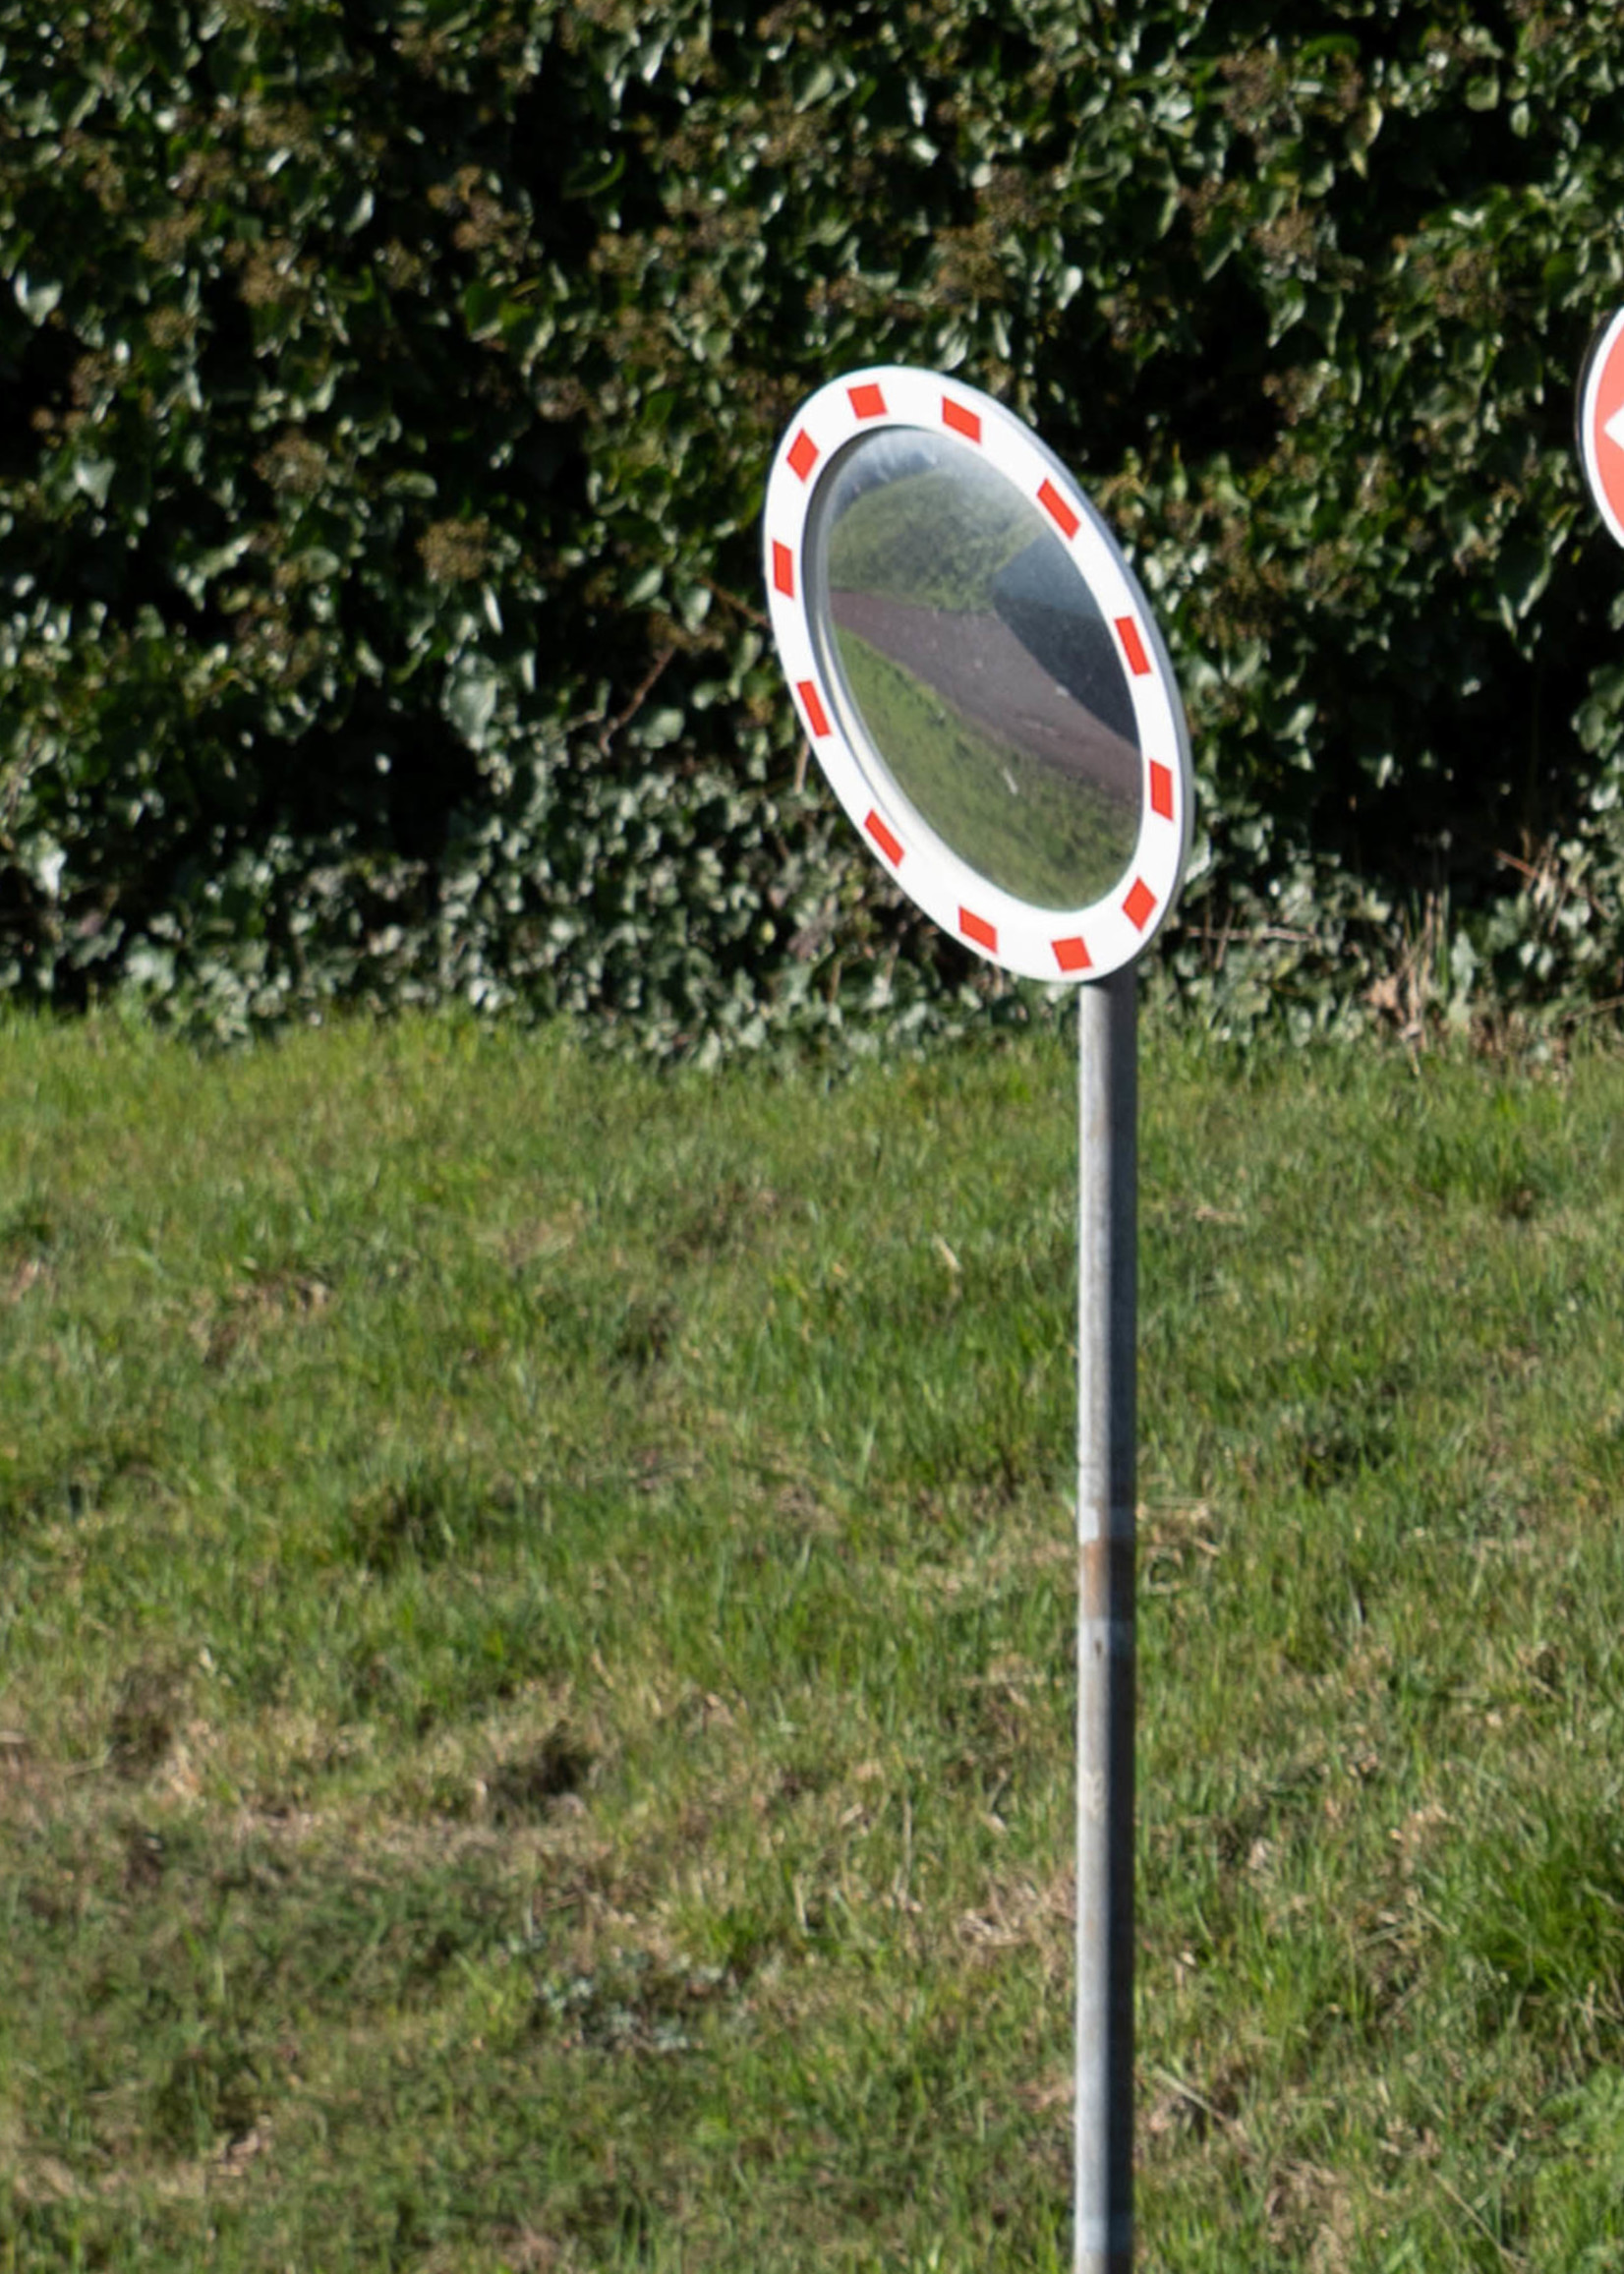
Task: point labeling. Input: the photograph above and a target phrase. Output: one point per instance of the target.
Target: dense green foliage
(388, 393)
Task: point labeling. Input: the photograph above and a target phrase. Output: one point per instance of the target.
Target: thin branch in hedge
(750, 615)
(599, 717)
(645, 687)
(1546, 877)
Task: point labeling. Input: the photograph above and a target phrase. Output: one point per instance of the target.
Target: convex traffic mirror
(978, 672)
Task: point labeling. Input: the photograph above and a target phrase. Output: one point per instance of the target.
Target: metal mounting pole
(1107, 1178)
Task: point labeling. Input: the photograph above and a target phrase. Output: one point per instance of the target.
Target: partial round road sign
(1600, 419)
(978, 672)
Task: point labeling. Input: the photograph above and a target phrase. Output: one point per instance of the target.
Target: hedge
(389, 395)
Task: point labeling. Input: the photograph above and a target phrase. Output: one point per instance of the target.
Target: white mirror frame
(1073, 944)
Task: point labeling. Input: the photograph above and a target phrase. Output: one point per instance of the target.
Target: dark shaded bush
(387, 398)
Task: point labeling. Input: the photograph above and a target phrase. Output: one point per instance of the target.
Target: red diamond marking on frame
(961, 420)
(1059, 513)
(1132, 647)
(812, 704)
(803, 454)
(1139, 903)
(783, 570)
(1072, 955)
(978, 929)
(883, 838)
(867, 401)
(1161, 790)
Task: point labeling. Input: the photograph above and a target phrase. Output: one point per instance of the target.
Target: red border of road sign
(1599, 407)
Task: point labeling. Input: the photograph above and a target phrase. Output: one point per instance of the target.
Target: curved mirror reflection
(983, 674)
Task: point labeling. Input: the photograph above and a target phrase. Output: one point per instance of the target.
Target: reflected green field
(935, 540)
(1049, 839)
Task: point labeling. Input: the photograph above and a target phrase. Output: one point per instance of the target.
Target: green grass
(935, 539)
(535, 1642)
(1052, 839)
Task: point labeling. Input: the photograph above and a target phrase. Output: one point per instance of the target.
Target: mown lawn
(535, 1644)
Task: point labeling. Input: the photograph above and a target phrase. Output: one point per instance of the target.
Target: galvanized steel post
(1107, 1180)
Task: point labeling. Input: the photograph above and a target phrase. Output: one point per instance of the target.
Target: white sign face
(978, 672)
(1601, 420)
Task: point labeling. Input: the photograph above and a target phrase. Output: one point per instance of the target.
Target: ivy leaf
(470, 703)
(36, 297)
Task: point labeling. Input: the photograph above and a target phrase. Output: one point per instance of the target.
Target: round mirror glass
(974, 659)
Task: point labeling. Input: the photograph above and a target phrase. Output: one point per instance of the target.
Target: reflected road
(979, 666)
